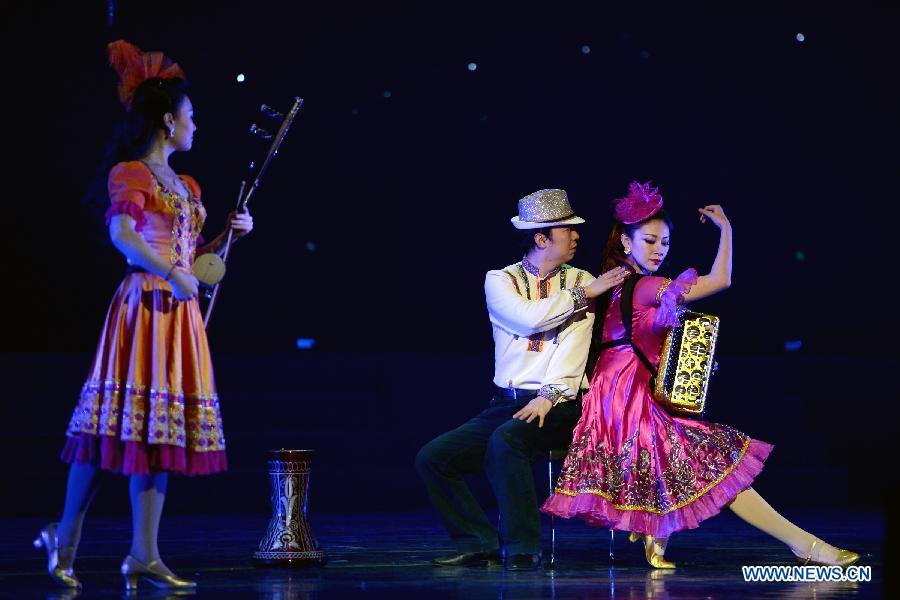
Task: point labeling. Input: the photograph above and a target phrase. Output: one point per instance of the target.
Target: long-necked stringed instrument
(209, 268)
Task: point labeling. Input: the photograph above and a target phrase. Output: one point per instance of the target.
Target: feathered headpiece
(642, 202)
(134, 67)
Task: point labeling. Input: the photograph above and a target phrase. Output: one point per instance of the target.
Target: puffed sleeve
(667, 294)
(130, 187)
(671, 296)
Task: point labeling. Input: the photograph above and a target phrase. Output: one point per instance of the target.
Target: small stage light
(585, 49)
(801, 37)
(793, 345)
(240, 78)
(800, 255)
(387, 93)
(305, 343)
(311, 246)
(472, 66)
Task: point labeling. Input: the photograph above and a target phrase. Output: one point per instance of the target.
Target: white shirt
(542, 329)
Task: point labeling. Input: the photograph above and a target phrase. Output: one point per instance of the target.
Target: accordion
(686, 364)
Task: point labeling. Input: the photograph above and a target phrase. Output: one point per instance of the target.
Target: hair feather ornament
(135, 67)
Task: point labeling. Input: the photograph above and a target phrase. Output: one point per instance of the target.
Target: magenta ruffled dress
(631, 465)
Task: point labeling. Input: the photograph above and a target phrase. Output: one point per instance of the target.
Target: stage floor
(386, 555)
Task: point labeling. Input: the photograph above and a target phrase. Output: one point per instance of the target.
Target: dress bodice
(655, 304)
(168, 221)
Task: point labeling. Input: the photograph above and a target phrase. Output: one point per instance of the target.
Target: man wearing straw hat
(542, 328)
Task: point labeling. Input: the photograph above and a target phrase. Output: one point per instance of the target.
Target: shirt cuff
(579, 298)
(553, 394)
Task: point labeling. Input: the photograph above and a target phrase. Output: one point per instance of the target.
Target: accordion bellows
(686, 364)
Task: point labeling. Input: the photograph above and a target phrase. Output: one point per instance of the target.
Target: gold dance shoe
(654, 557)
(132, 570)
(844, 559)
(46, 539)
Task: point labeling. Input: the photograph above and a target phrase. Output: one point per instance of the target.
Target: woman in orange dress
(149, 406)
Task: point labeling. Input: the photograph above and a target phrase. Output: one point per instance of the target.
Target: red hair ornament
(134, 67)
(642, 202)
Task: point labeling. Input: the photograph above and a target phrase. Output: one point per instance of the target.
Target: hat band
(563, 218)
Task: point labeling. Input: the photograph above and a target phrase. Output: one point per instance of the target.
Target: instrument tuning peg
(252, 165)
(259, 131)
(270, 112)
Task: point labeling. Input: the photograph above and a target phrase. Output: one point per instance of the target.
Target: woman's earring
(627, 251)
(171, 132)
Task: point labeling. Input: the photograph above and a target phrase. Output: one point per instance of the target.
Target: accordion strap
(626, 304)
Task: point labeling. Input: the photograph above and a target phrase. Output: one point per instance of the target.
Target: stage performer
(541, 326)
(149, 406)
(632, 466)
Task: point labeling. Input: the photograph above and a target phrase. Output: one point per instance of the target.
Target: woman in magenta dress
(632, 466)
(149, 406)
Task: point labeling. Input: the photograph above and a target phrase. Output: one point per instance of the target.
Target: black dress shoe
(469, 559)
(522, 562)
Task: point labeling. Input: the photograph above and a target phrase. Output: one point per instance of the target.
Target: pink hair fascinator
(134, 67)
(642, 202)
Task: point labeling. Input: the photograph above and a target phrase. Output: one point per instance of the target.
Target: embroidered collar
(526, 264)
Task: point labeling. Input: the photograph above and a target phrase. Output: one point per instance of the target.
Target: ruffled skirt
(149, 404)
(634, 467)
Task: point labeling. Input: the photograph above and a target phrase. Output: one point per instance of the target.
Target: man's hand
(607, 281)
(539, 407)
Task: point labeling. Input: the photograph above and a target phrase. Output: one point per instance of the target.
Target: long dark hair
(134, 133)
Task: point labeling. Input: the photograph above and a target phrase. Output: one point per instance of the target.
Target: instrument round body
(209, 269)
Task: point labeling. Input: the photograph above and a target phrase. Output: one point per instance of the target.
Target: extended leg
(752, 508)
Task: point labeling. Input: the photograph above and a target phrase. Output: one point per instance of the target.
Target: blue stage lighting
(585, 49)
(793, 345)
(801, 37)
(305, 343)
(472, 66)
(240, 78)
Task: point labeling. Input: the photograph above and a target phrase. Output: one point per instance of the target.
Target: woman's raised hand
(714, 213)
(607, 281)
(240, 222)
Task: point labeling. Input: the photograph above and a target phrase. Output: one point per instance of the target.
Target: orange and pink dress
(150, 402)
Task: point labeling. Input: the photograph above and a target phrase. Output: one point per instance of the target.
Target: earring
(627, 251)
(171, 132)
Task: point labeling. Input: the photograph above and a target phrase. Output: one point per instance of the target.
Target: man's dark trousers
(505, 448)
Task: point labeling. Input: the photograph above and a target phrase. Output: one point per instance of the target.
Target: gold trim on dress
(657, 511)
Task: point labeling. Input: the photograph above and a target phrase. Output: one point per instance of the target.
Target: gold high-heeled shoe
(845, 558)
(654, 559)
(132, 570)
(46, 539)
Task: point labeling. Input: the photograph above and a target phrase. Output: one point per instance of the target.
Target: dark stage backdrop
(392, 195)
